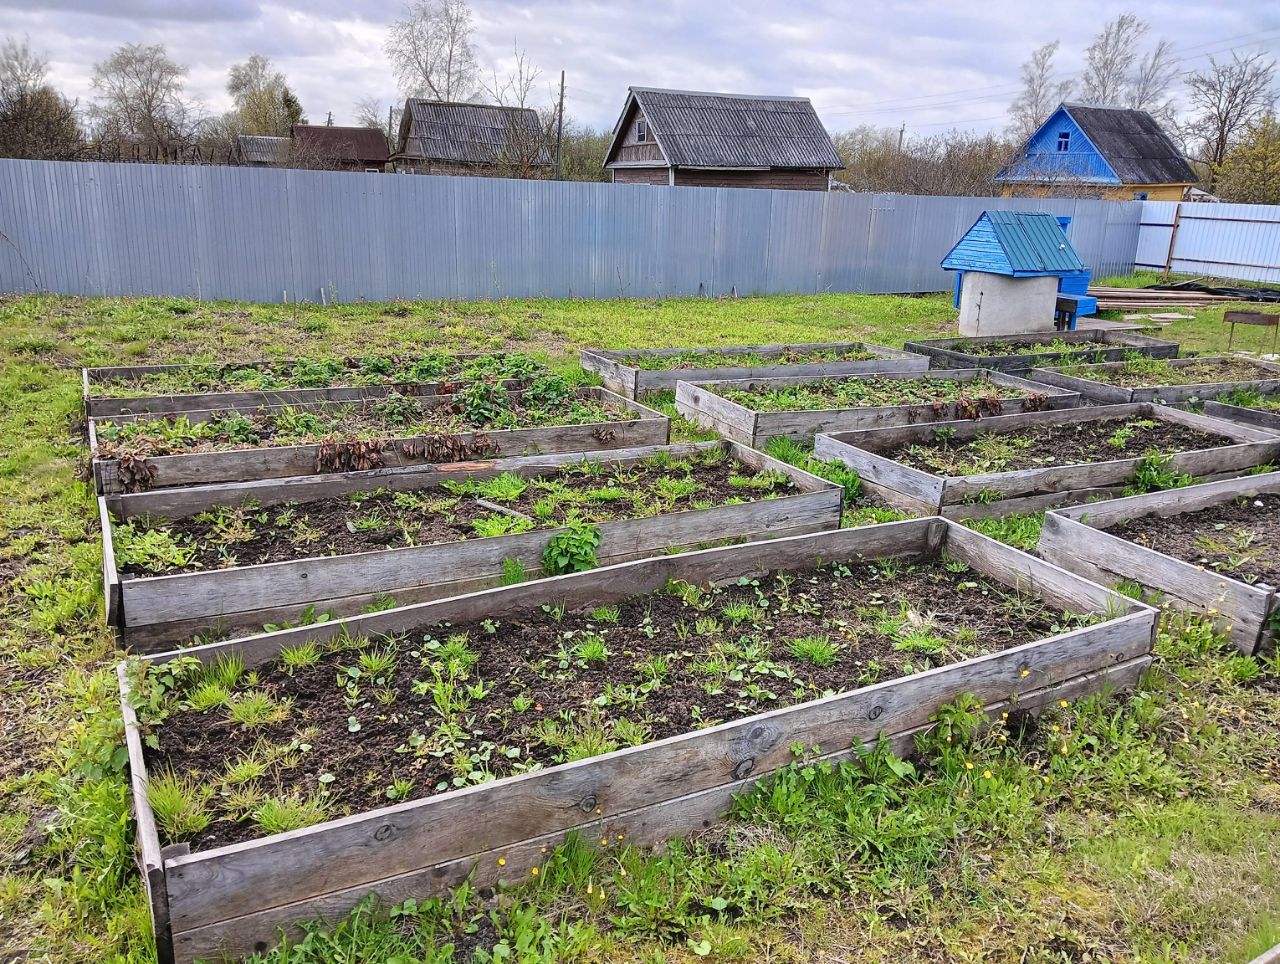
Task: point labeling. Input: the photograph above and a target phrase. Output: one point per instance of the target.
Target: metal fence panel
(1221, 240)
(260, 234)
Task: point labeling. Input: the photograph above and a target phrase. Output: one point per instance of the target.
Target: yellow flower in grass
(968, 765)
(534, 871)
(1063, 703)
(986, 774)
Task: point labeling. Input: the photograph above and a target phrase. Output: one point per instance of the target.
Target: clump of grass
(818, 650)
(180, 804)
(257, 708)
(294, 658)
(290, 812)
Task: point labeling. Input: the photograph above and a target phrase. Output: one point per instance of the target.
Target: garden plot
(294, 773)
(1214, 548)
(1252, 406)
(233, 558)
(483, 420)
(637, 372)
(1167, 380)
(753, 410)
(1025, 463)
(1020, 353)
(165, 389)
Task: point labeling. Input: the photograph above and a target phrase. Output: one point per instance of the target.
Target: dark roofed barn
(720, 140)
(339, 148)
(1105, 152)
(438, 137)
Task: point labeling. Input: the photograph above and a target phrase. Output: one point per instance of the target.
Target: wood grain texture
(1269, 421)
(643, 826)
(1073, 539)
(1268, 380)
(635, 382)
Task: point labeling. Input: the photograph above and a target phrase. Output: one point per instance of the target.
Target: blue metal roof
(1016, 243)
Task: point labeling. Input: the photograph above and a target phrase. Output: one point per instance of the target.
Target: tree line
(141, 110)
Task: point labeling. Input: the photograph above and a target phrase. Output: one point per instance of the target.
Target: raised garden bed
(164, 389)
(131, 453)
(752, 410)
(637, 372)
(1248, 405)
(1020, 353)
(592, 680)
(1025, 463)
(1171, 381)
(1214, 548)
(232, 558)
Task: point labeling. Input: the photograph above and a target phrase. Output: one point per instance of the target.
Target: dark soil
(1240, 539)
(981, 394)
(1066, 444)
(674, 661)
(369, 521)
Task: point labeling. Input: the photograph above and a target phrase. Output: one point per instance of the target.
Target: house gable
(627, 148)
(1059, 151)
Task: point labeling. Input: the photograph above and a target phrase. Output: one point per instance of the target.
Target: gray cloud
(928, 64)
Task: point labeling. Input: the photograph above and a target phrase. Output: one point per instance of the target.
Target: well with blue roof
(1012, 266)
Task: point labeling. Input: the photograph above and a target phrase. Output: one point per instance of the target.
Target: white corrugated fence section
(254, 234)
(1222, 240)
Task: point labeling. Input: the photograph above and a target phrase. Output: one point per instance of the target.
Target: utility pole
(329, 120)
(560, 125)
(391, 134)
(902, 132)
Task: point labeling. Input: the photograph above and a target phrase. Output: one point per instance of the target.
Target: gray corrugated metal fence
(1222, 240)
(253, 234)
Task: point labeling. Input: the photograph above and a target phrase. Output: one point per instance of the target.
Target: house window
(642, 131)
(1139, 195)
(1064, 141)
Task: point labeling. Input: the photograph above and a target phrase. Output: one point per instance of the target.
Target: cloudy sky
(927, 64)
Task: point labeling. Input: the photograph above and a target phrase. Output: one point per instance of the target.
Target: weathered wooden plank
(644, 826)
(921, 487)
(232, 881)
(161, 608)
(149, 857)
(636, 382)
(1268, 380)
(1173, 501)
(1107, 345)
(701, 403)
(243, 465)
(110, 575)
(1255, 417)
(1238, 609)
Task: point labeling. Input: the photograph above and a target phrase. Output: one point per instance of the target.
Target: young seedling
(180, 804)
(818, 650)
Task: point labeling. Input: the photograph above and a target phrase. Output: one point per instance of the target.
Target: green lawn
(1156, 837)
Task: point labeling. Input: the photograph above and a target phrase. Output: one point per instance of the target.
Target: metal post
(560, 126)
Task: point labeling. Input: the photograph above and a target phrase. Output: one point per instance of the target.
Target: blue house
(1112, 153)
(1014, 266)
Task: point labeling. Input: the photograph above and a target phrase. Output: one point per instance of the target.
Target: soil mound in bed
(349, 728)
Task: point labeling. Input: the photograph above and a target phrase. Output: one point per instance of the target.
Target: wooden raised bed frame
(99, 406)
(700, 402)
(1268, 421)
(633, 382)
(1071, 538)
(233, 900)
(286, 461)
(151, 611)
(1268, 380)
(1031, 490)
(1107, 345)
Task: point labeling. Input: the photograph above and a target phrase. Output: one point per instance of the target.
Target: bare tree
(35, 120)
(264, 102)
(1148, 87)
(1226, 99)
(516, 89)
(1110, 59)
(1041, 93)
(953, 163)
(370, 113)
(142, 109)
(431, 52)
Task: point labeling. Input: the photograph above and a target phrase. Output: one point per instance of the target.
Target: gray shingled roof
(1134, 144)
(261, 149)
(470, 133)
(698, 129)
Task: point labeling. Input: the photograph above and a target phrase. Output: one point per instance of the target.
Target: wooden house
(681, 137)
(438, 137)
(1100, 152)
(260, 150)
(330, 148)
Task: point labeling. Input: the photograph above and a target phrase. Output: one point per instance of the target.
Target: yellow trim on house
(1123, 192)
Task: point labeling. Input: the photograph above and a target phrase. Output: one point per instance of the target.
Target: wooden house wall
(773, 178)
(632, 150)
(640, 175)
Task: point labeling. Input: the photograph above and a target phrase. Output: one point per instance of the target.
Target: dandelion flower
(968, 765)
(534, 871)
(1062, 703)
(1026, 673)
(1064, 749)
(986, 774)
(502, 861)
